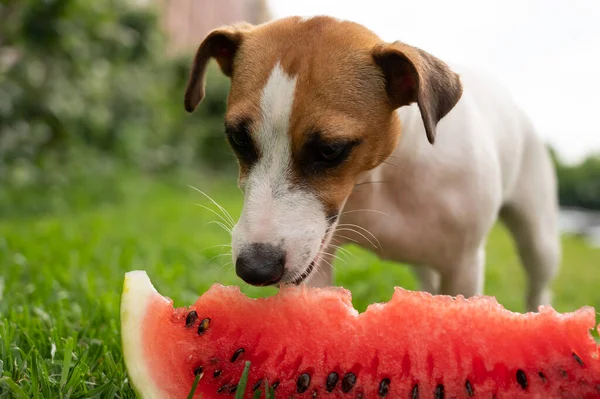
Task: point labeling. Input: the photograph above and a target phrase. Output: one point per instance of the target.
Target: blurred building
(188, 21)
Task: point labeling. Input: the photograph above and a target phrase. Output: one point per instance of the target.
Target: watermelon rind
(138, 291)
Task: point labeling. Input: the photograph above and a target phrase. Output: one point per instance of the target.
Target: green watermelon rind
(138, 291)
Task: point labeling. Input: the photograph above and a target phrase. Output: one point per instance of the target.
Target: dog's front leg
(429, 279)
(465, 276)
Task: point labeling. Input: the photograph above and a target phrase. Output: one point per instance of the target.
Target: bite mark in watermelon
(311, 343)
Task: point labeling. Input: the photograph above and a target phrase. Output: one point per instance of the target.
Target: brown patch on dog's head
(348, 85)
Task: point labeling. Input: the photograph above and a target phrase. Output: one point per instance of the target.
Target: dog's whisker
(363, 229)
(334, 256)
(342, 250)
(359, 227)
(336, 243)
(225, 212)
(222, 225)
(231, 268)
(399, 166)
(220, 267)
(364, 210)
(410, 171)
(217, 256)
(225, 265)
(360, 234)
(347, 238)
(220, 216)
(344, 254)
(370, 182)
(330, 264)
(319, 265)
(221, 208)
(215, 246)
(319, 270)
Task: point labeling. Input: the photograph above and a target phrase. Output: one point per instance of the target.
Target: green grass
(61, 274)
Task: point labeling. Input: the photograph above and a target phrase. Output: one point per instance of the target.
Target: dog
(342, 137)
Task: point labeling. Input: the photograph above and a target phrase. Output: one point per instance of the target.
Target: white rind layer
(137, 294)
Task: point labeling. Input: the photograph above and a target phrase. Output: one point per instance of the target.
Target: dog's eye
(240, 138)
(321, 154)
(331, 152)
(241, 142)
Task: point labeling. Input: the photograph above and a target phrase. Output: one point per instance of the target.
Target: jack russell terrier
(334, 131)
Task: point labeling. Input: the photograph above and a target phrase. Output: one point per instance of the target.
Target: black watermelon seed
(303, 383)
(469, 388)
(384, 387)
(257, 385)
(440, 391)
(360, 395)
(315, 394)
(522, 378)
(191, 318)
(348, 382)
(237, 354)
(563, 373)
(223, 388)
(578, 359)
(216, 373)
(331, 381)
(542, 376)
(275, 385)
(198, 370)
(233, 389)
(415, 392)
(203, 326)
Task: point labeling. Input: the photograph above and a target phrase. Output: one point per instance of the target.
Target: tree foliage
(77, 75)
(579, 184)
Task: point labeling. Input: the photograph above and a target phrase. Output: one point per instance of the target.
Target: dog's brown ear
(220, 44)
(412, 75)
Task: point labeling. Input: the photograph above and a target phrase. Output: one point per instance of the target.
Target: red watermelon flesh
(311, 343)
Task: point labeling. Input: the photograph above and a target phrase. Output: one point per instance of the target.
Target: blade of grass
(241, 390)
(34, 376)
(67, 361)
(14, 388)
(269, 392)
(194, 386)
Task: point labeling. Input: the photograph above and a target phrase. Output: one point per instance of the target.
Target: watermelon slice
(311, 343)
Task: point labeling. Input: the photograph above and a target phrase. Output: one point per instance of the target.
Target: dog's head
(311, 106)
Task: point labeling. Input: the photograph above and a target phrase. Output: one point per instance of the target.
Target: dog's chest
(410, 220)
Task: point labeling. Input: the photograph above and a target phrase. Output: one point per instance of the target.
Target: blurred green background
(96, 158)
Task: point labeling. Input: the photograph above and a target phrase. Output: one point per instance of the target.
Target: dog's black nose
(260, 264)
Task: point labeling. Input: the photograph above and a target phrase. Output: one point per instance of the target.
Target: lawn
(61, 274)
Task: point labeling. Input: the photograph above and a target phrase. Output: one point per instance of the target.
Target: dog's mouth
(300, 279)
(311, 267)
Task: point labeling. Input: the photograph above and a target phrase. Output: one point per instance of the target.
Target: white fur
(442, 200)
(274, 211)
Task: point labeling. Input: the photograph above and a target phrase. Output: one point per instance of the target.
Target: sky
(546, 52)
